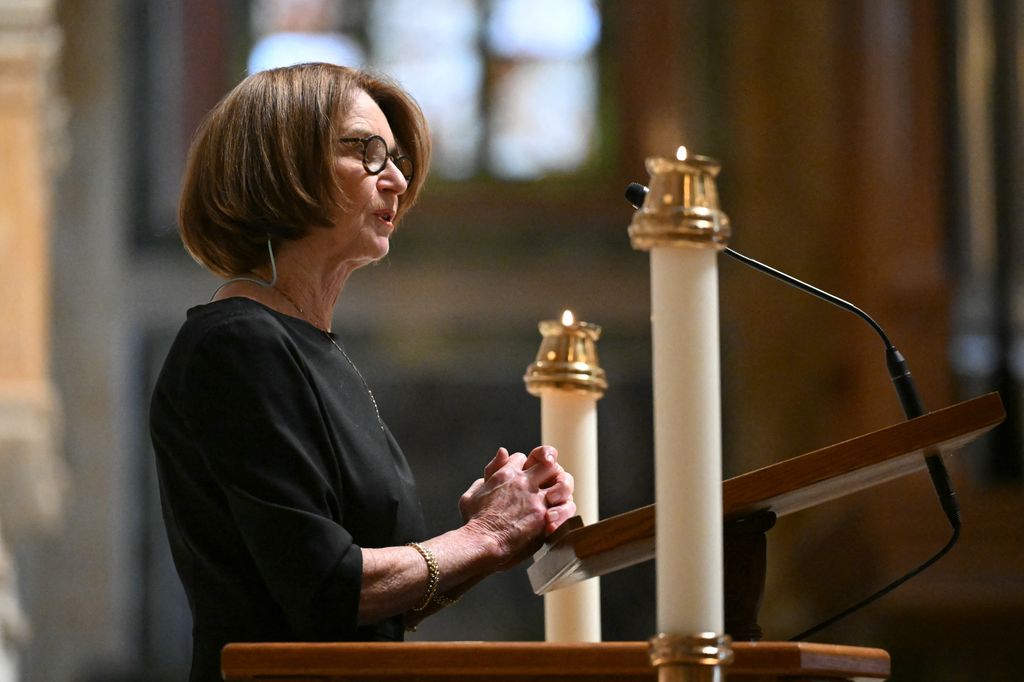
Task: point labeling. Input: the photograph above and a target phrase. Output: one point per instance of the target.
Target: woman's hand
(519, 500)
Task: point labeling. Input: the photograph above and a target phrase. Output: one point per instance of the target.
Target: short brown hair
(261, 164)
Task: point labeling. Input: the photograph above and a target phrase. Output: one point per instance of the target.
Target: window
(507, 95)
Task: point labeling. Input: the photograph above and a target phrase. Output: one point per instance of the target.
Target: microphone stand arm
(899, 373)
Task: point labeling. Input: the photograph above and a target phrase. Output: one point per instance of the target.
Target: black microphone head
(636, 193)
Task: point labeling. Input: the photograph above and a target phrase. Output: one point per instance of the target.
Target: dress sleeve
(259, 428)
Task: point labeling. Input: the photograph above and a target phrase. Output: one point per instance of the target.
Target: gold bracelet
(433, 574)
(444, 601)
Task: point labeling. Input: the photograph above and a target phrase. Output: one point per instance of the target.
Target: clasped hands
(520, 500)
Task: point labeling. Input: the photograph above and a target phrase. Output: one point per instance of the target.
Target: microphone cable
(909, 399)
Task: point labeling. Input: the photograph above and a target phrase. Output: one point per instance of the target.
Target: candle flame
(681, 153)
(567, 318)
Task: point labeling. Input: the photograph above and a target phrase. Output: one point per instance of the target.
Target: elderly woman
(292, 513)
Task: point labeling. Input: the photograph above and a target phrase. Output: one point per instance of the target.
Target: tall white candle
(687, 439)
(569, 423)
(569, 381)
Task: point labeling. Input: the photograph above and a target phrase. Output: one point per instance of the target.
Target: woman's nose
(393, 177)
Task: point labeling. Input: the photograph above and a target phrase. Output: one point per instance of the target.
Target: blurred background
(872, 147)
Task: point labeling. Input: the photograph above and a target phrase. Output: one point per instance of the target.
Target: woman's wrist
(485, 542)
(433, 575)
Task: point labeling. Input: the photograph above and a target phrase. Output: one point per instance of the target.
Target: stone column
(31, 121)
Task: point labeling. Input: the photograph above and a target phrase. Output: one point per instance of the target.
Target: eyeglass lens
(377, 157)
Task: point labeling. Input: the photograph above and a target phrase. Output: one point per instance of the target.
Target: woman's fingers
(541, 473)
(561, 506)
(557, 515)
(542, 454)
(500, 460)
(473, 489)
(517, 460)
(560, 491)
(544, 474)
(468, 504)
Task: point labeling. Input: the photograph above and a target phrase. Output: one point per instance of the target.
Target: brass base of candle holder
(690, 658)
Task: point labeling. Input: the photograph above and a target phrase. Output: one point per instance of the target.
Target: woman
(291, 511)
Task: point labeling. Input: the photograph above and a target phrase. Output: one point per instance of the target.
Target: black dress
(274, 469)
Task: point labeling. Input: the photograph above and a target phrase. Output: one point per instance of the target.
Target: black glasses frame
(402, 163)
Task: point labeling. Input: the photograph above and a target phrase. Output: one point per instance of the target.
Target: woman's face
(363, 226)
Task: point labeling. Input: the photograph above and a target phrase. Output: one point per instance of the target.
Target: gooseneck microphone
(909, 399)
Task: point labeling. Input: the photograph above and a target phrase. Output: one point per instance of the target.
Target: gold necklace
(361, 379)
(296, 306)
(335, 344)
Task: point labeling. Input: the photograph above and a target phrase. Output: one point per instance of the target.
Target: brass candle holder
(567, 358)
(681, 208)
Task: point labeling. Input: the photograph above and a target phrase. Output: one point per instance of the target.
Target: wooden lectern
(751, 504)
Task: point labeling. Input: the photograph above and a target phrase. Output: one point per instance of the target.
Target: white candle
(569, 423)
(687, 439)
(569, 381)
